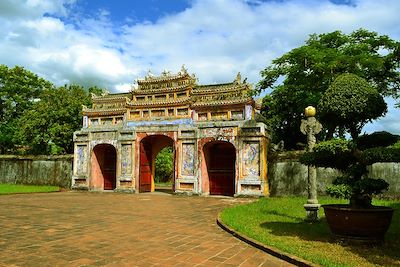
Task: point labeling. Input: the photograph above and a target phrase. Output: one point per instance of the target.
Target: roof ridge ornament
(183, 70)
(238, 79)
(149, 75)
(166, 73)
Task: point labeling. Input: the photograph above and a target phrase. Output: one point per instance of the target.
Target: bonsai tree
(350, 102)
(352, 162)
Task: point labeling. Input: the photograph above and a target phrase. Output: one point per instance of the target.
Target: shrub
(381, 154)
(335, 153)
(376, 139)
(396, 145)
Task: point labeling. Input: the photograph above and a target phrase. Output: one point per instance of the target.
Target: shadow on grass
(386, 254)
(311, 232)
(277, 213)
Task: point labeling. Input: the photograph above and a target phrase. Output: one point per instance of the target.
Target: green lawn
(166, 184)
(278, 222)
(17, 188)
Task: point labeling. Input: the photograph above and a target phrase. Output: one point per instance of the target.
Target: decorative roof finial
(183, 70)
(165, 72)
(149, 75)
(238, 78)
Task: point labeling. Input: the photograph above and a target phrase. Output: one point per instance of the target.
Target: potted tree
(359, 219)
(348, 104)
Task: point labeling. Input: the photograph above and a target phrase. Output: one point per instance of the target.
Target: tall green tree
(48, 127)
(19, 88)
(307, 72)
(350, 102)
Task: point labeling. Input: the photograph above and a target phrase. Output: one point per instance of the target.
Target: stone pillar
(311, 127)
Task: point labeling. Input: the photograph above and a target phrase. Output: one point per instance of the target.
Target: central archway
(220, 158)
(150, 146)
(104, 164)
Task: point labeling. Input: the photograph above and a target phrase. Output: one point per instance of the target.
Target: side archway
(220, 160)
(104, 165)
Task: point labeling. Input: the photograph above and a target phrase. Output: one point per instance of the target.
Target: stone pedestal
(312, 212)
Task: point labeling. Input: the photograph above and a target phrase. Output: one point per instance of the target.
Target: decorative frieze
(188, 159)
(126, 159)
(104, 135)
(251, 159)
(220, 134)
(81, 159)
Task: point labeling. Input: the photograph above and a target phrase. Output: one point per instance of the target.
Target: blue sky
(136, 11)
(112, 43)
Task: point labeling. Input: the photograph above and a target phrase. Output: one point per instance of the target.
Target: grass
(278, 222)
(17, 188)
(163, 184)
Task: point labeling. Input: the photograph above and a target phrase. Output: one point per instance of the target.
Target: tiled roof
(222, 102)
(104, 112)
(162, 90)
(169, 102)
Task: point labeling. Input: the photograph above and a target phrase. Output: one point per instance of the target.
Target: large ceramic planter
(369, 225)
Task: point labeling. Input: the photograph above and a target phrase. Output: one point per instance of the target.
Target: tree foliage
(307, 72)
(48, 127)
(350, 102)
(164, 165)
(19, 88)
(376, 139)
(35, 116)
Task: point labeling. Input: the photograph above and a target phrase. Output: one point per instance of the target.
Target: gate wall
(250, 143)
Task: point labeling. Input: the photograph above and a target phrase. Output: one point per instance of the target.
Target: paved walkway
(96, 229)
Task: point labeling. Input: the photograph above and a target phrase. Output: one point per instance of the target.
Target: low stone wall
(287, 176)
(37, 170)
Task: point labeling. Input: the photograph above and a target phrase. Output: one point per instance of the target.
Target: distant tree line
(37, 117)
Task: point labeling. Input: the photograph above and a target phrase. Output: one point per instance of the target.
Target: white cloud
(214, 38)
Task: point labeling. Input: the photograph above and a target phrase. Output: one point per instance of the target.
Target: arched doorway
(150, 146)
(220, 158)
(104, 164)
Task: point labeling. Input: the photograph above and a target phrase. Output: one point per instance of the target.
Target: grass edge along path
(278, 223)
(18, 188)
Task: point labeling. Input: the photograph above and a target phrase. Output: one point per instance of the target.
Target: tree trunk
(360, 202)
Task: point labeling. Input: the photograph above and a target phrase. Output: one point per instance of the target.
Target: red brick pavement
(98, 229)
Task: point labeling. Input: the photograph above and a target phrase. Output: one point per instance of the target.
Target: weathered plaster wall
(39, 170)
(390, 172)
(287, 176)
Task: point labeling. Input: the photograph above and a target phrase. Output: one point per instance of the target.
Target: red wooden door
(145, 167)
(221, 171)
(109, 180)
(109, 168)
